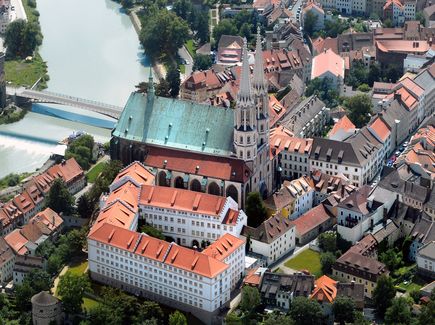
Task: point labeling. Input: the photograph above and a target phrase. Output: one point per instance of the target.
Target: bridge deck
(55, 98)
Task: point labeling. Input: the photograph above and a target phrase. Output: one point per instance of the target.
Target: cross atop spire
(259, 82)
(244, 95)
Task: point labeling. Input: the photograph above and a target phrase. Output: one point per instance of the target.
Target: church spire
(259, 82)
(244, 95)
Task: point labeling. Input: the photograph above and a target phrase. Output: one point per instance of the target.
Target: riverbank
(12, 114)
(30, 73)
(158, 67)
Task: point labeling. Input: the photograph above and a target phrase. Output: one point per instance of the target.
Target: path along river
(92, 52)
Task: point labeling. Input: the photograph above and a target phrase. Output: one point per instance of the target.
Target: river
(92, 52)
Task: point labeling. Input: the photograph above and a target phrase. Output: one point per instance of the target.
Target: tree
(358, 74)
(427, 315)
(84, 206)
(328, 241)
(81, 149)
(173, 80)
(22, 38)
(245, 31)
(202, 62)
(103, 314)
(399, 312)
(309, 23)
(59, 198)
(233, 319)
(71, 289)
(388, 23)
(324, 89)
(250, 299)
(23, 293)
(177, 318)
(148, 310)
(225, 27)
(359, 319)
(359, 108)
(364, 88)
(153, 232)
(255, 209)
(374, 74)
(277, 318)
(163, 33)
(327, 260)
(202, 28)
(124, 306)
(344, 310)
(305, 311)
(420, 17)
(392, 259)
(383, 294)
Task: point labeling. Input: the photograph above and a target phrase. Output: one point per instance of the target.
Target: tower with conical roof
(245, 119)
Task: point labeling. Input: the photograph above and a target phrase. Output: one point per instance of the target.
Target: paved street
(18, 12)
(184, 54)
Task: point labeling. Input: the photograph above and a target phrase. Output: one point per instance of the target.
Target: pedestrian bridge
(55, 98)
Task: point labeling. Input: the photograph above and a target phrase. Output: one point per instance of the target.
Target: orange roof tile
(311, 219)
(180, 199)
(67, 170)
(156, 249)
(342, 124)
(137, 172)
(276, 110)
(412, 87)
(403, 46)
(282, 139)
(325, 290)
(116, 213)
(223, 247)
(252, 278)
(17, 242)
(24, 202)
(127, 193)
(49, 218)
(381, 129)
(327, 61)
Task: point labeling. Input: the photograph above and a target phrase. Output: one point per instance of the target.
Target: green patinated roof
(176, 123)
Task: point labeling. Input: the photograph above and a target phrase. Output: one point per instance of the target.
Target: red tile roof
(223, 247)
(381, 129)
(128, 193)
(68, 170)
(137, 172)
(156, 249)
(281, 139)
(325, 290)
(311, 219)
(117, 213)
(49, 218)
(17, 242)
(252, 278)
(327, 61)
(187, 162)
(180, 199)
(342, 124)
(23, 202)
(403, 46)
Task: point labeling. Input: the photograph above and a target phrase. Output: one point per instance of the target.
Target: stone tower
(245, 117)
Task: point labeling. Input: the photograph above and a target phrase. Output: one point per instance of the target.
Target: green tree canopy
(72, 289)
(153, 232)
(81, 150)
(392, 259)
(225, 27)
(305, 311)
(324, 89)
(344, 310)
(277, 318)
(85, 206)
(233, 319)
(255, 209)
(328, 241)
(250, 299)
(177, 318)
(173, 80)
(59, 198)
(22, 38)
(359, 108)
(327, 259)
(163, 33)
(399, 313)
(202, 62)
(383, 294)
(310, 23)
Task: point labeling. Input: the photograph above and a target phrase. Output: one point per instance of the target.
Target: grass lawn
(89, 303)
(411, 286)
(307, 260)
(191, 47)
(93, 173)
(182, 68)
(78, 269)
(21, 73)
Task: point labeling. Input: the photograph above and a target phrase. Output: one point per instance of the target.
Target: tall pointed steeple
(244, 97)
(259, 83)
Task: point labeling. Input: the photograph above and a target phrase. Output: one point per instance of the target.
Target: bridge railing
(44, 94)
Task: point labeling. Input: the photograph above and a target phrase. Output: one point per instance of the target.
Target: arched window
(179, 183)
(195, 185)
(214, 189)
(162, 178)
(232, 191)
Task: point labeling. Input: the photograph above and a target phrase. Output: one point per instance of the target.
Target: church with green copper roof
(161, 132)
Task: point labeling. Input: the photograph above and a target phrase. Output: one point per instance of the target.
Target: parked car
(397, 153)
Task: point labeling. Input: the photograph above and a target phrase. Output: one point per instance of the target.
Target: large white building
(273, 239)
(183, 278)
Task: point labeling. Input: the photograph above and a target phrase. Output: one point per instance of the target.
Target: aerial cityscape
(217, 162)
